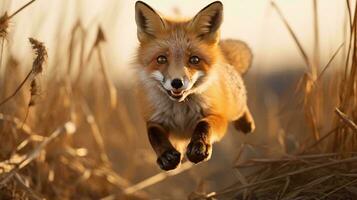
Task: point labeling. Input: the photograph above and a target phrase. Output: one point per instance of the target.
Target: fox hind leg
(245, 123)
(168, 157)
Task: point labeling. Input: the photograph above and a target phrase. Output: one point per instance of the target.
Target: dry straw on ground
(59, 148)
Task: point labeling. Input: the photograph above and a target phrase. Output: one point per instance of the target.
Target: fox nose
(176, 83)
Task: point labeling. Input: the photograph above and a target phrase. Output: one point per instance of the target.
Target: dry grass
(38, 165)
(71, 134)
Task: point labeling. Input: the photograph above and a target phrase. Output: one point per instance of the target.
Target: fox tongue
(176, 93)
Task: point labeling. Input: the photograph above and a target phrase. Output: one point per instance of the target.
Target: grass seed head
(4, 25)
(41, 55)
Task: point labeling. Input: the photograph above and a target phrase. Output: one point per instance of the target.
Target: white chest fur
(179, 117)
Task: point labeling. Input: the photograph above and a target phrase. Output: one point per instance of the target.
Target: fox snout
(177, 87)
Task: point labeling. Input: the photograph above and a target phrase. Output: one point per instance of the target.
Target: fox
(190, 84)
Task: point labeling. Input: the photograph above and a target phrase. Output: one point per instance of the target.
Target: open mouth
(175, 94)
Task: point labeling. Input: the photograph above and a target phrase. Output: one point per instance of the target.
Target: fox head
(177, 56)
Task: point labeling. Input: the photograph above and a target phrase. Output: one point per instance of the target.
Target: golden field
(70, 127)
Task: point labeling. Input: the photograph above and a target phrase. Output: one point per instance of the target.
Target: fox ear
(149, 23)
(207, 22)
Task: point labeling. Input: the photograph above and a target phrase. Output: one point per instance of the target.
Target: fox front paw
(169, 160)
(198, 151)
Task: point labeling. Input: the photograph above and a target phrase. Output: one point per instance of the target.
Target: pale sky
(253, 21)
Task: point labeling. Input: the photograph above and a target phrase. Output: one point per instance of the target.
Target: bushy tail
(237, 53)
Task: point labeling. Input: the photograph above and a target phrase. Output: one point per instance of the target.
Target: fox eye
(194, 60)
(161, 59)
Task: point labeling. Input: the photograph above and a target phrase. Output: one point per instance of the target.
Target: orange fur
(212, 92)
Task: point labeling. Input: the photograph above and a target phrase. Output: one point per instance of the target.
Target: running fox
(190, 84)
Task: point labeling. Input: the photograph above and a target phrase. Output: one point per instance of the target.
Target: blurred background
(252, 21)
(69, 29)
